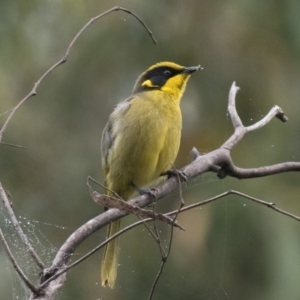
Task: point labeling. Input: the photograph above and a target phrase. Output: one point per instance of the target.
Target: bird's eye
(167, 73)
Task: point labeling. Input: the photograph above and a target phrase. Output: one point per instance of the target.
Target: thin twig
(6, 112)
(233, 192)
(150, 231)
(19, 229)
(89, 178)
(116, 8)
(13, 145)
(161, 268)
(33, 92)
(15, 265)
(268, 204)
(165, 255)
(275, 111)
(235, 119)
(239, 129)
(180, 187)
(194, 153)
(161, 249)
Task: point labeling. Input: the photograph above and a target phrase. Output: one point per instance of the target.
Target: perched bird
(140, 141)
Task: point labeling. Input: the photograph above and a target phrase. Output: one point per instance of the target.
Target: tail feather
(109, 266)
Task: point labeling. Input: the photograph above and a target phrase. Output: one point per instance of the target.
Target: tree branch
(165, 256)
(235, 119)
(13, 145)
(239, 129)
(275, 111)
(233, 192)
(240, 173)
(19, 229)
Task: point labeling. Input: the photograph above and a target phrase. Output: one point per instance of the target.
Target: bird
(140, 142)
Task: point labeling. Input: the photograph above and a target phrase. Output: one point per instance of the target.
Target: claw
(152, 192)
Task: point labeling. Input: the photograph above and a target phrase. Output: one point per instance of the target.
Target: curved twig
(33, 92)
(235, 118)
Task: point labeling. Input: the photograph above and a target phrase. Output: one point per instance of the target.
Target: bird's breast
(147, 138)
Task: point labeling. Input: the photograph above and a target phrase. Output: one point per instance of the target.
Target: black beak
(190, 70)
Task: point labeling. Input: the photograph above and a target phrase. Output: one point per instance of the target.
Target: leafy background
(232, 249)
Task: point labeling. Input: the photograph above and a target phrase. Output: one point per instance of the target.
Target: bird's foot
(151, 192)
(182, 176)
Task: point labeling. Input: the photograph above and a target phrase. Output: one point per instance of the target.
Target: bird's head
(164, 76)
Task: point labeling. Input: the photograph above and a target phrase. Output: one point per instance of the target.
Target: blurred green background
(232, 249)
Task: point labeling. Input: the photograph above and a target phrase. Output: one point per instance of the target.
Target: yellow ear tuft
(148, 83)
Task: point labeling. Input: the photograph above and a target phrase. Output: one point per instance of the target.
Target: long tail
(110, 258)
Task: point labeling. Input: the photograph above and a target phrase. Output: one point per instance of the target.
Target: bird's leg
(151, 192)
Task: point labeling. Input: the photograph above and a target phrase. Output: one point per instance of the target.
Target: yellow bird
(140, 141)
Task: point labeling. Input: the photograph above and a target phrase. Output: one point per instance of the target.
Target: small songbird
(140, 142)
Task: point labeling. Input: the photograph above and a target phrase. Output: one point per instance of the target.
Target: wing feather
(110, 131)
